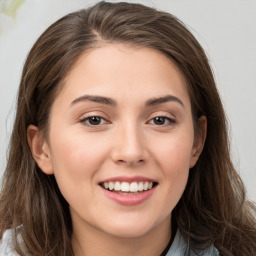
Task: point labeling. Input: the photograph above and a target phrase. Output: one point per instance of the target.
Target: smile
(128, 187)
(128, 191)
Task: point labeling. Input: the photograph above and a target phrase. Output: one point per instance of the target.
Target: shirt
(179, 247)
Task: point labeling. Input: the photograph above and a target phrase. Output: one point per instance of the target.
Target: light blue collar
(180, 248)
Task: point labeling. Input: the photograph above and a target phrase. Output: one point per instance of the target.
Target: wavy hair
(213, 208)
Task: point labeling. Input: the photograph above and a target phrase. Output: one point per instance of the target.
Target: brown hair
(213, 208)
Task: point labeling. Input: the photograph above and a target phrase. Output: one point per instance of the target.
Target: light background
(225, 28)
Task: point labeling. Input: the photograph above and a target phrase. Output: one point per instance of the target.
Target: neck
(87, 240)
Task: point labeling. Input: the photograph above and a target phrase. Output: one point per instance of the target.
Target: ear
(39, 149)
(199, 140)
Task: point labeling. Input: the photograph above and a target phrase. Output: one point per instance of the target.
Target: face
(121, 140)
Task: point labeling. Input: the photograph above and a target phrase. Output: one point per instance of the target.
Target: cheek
(77, 152)
(174, 153)
(76, 159)
(173, 157)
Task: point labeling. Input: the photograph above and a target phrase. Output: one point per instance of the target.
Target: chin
(129, 229)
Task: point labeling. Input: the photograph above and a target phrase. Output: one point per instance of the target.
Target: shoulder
(6, 244)
(180, 248)
(212, 251)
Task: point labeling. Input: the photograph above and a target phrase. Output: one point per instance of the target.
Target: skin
(127, 142)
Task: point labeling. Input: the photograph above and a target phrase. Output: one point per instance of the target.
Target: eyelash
(170, 121)
(166, 121)
(86, 120)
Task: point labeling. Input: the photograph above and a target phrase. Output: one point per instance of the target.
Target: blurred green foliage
(10, 7)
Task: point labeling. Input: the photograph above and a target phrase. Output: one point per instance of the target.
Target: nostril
(121, 161)
(130, 162)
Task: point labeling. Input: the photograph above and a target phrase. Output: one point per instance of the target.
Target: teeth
(117, 186)
(128, 187)
(134, 187)
(110, 185)
(125, 187)
(145, 186)
(140, 187)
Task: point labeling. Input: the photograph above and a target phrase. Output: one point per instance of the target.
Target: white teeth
(134, 187)
(140, 187)
(145, 186)
(128, 187)
(110, 185)
(125, 187)
(117, 186)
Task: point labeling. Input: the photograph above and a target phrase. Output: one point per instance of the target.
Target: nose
(129, 146)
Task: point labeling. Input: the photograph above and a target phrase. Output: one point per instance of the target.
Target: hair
(213, 208)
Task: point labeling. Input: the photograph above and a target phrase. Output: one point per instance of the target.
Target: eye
(93, 120)
(162, 120)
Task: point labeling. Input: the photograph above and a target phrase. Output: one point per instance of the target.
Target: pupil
(95, 120)
(159, 120)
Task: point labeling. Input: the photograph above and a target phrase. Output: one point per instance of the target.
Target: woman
(120, 144)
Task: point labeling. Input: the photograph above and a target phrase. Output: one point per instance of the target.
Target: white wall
(226, 29)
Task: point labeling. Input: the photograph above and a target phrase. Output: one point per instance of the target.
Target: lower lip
(129, 199)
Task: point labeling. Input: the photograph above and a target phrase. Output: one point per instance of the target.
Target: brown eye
(159, 120)
(93, 121)
(162, 120)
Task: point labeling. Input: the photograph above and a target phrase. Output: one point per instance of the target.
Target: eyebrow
(112, 102)
(97, 99)
(167, 98)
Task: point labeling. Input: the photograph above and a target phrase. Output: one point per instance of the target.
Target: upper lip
(128, 179)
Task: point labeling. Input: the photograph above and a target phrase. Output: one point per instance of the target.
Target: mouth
(128, 188)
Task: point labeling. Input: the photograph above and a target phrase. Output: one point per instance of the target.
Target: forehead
(117, 69)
